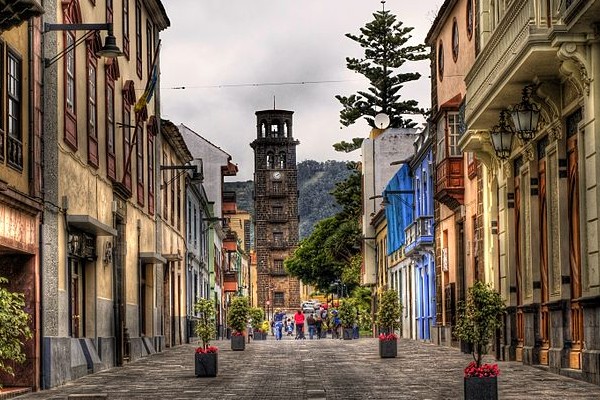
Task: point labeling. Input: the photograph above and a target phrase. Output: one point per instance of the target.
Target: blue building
(420, 235)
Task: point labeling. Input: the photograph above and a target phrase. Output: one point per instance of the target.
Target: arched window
(270, 160)
(281, 159)
(275, 128)
(263, 129)
(285, 128)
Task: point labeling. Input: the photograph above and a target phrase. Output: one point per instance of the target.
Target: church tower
(276, 209)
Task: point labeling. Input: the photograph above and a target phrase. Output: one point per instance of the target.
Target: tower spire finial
(383, 5)
(274, 103)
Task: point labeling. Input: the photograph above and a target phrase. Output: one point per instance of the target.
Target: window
(15, 136)
(178, 205)
(441, 140)
(151, 134)
(172, 186)
(263, 129)
(278, 298)
(470, 19)
(455, 40)
(278, 237)
(139, 170)
(149, 46)
(126, 28)
(286, 129)
(453, 134)
(92, 113)
(110, 130)
(440, 61)
(138, 38)
(278, 267)
(127, 147)
(164, 189)
(270, 160)
(70, 135)
(2, 136)
(275, 129)
(281, 160)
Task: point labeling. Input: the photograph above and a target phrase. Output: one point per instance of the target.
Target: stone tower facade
(276, 209)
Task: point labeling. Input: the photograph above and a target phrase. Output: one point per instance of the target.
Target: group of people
(317, 323)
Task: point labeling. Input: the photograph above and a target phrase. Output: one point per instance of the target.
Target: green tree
(257, 316)
(14, 328)
(205, 327)
(478, 318)
(384, 41)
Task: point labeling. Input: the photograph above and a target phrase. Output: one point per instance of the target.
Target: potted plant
(256, 320)
(237, 316)
(205, 329)
(347, 315)
(388, 319)
(478, 318)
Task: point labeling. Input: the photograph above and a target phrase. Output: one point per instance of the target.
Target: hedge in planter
(256, 319)
(478, 319)
(347, 315)
(206, 357)
(237, 316)
(388, 320)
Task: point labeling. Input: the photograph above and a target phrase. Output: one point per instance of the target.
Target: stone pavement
(315, 369)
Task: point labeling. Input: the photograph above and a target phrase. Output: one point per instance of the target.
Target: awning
(152, 258)
(15, 12)
(90, 225)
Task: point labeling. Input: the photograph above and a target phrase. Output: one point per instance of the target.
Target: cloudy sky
(233, 56)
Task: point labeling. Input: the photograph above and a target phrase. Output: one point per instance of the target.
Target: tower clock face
(276, 175)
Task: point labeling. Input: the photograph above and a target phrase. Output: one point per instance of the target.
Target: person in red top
(299, 321)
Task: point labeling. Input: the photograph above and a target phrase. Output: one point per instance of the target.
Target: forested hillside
(315, 182)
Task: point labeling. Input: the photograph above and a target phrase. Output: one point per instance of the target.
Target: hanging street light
(502, 136)
(526, 115)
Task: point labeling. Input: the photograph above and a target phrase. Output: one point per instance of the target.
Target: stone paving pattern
(316, 369)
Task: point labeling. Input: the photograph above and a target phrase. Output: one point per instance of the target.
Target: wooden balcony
(450, 182)
(278, 244)
(278, 217)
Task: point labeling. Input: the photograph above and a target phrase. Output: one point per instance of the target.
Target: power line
(236, 85)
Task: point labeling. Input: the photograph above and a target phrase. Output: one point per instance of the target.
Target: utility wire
(235, 85)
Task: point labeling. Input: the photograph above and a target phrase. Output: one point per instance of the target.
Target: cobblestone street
(318, 369)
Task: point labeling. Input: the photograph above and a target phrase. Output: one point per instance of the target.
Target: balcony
(230, 281)
(276, 191)
(278, 244)
(419, 235)
(450, 182)
(278, 217)
(229, 203)
(15, 12)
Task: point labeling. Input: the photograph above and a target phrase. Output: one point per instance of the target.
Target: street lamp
(502, 136)
(526, 115)
(109, 50)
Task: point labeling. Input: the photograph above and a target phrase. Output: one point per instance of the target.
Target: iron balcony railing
(419, 234)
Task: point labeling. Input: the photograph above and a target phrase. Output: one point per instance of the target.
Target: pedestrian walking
(319, 326)
(311, 322)
(278, 319)
(299, 320)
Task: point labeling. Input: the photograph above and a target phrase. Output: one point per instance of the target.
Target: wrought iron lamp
(109, 50)
(526, 115)
(502, 136)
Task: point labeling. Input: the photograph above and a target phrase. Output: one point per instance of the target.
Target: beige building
(540, 58)
(103, 268)
(457, 215)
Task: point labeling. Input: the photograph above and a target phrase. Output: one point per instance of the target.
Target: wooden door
(518, 267)
(544, 315)
(574, 254)
(75, 298)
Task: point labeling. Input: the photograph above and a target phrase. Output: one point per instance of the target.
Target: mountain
(316, 180)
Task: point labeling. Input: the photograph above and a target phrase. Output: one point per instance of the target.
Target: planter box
(348, 333)
(388, 348)
(481, 388)
(260, 336)
(238, 342)
(206, 364)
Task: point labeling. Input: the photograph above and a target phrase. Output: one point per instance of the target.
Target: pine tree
(384, 41)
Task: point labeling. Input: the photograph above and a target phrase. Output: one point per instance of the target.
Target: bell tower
(276, 208)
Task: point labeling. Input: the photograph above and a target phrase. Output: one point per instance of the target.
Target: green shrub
(390, 310)
(257, 316)
(205, 325)
(478, 318)
(14, 328)
(347, 313)
(237, 313)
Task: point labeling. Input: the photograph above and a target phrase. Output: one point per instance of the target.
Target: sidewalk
(315, 369)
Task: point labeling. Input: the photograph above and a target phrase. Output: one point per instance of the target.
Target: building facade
(21, 172)
(458, 213)
(100, 170)
(540, 194)
(276, 208)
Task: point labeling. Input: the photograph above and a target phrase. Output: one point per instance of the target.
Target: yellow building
(104, 287)
(20, 172)
(539, 60)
